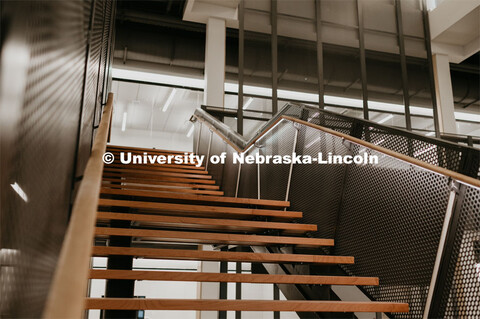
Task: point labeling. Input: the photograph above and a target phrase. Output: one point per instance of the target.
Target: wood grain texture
(229, 277)
(216, 211)
(146, 181)
(162, 189)
(245, 305)
(139, 171)
(208, 223)
(160, 167)
(216, 199)
(212, 238)
(204, 255)
(160, 178)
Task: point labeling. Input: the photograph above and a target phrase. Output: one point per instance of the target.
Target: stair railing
(403, 219)
(67, 295)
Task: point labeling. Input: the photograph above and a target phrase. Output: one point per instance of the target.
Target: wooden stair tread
(159, 167)
(139, 170)
(229, 277)
(202, 255)
(217, 211)
(188, 167)
(162, 178)
(164, 189)
(190, 184)
(208, 223)
(218, 199)
(245, 305)
(213, 238)
(157, 175)
(143, 149)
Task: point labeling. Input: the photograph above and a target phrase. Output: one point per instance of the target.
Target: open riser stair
(172, 207)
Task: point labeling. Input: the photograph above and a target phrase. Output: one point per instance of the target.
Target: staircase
(171, 205)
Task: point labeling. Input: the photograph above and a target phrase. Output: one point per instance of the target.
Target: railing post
(198, 138)
(451, 206)
(295, 138)
(207, 159)
(238, 178)
(442, 277)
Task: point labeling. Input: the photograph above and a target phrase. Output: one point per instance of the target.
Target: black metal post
(273, 17)
(276, 296)
(363, 62)
(403, 64)
(318, 20)
(223, 285)
(241, 56)
(120, 288)
(428, 47)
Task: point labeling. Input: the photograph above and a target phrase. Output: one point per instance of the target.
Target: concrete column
(215, 62)
(209, 290)
(443, 88)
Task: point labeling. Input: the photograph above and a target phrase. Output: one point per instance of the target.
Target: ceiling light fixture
(386, 118)
(250, 100)
(198, 83)
(169, 100)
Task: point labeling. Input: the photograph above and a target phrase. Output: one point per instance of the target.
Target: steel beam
(273, 17)
(363, 62)
(241, 56)
(318, 21)
(403, 64)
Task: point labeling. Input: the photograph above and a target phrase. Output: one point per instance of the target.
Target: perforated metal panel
(317, 189)
(248, 186)
(217, 147)
(461, 298)
(441, 153)
(391, 219)
(50, 39)
(91, 99)
(274, 177)
(230, 173)
(44, 150)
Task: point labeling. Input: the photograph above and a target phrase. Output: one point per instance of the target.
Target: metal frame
(318, 25)
(363, 62)
(428, 47)
(241, 57)
(403, 63)
(273, 17)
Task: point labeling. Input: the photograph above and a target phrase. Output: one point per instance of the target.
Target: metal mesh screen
(51, 39)
(91, 86)
(317, 189)
(204, 140)
(391, 219)
(274, 177)
(230, 173)
(44, 148)
(248, 186)
(460, 298)
(441, 153)
(217, 147)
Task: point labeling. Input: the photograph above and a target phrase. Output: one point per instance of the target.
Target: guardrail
(67, 295)
(405, 219)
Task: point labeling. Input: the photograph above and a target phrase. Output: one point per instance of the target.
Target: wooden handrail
(437, 169)
(66, 298)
